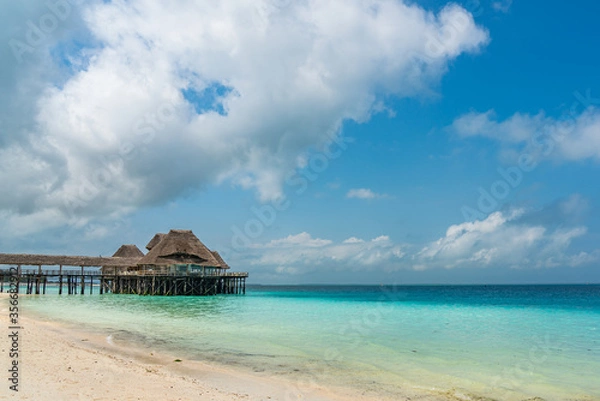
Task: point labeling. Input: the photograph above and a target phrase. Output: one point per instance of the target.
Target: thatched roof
(222, 263)
(180, 247)
(54, 260)
(128, 251)
(155, 240)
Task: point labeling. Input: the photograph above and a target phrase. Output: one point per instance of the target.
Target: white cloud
(301, 254)
(570, 139)
(518, 128)
(353, 240)
(500, 241)
(111, 130)
(303, 240)
(363, 193)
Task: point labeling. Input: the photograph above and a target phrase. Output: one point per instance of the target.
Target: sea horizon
(418, 284)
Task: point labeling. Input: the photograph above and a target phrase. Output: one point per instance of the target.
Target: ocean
(493, 342)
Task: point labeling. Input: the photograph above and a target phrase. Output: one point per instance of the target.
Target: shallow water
(501, 342)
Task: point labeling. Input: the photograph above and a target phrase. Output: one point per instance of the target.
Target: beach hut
(179, 252)
(125, 251)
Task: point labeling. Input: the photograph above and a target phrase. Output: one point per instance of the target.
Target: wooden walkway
(71, 282)
(53, 260)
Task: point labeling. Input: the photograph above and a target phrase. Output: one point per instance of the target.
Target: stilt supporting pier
(38, 281)
(176, 285)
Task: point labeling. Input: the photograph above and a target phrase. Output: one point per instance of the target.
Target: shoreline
(61, 362)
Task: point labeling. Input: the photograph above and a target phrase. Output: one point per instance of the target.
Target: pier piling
(39, 281)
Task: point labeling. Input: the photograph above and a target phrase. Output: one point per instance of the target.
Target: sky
(309, 142)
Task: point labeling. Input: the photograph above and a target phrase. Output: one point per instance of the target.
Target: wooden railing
(174, 273)
(45, 272)
(109, 273)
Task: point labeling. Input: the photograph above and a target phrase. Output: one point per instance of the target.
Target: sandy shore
(59, 363)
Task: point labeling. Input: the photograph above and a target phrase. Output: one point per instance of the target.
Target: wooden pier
(177, 263)
(79, 282)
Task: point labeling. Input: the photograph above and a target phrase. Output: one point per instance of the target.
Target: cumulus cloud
(302, 253)
(503, 240)
(363, 193)
(26, 67)
(135, 103)
(570, 139)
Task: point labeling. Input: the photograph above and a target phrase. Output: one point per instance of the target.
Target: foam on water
(502, 342)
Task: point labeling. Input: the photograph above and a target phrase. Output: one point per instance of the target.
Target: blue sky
(348, 142)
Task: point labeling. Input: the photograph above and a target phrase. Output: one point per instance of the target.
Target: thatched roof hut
(128, 251)
(155, 240)
(125, 252)
(180, 247)
(222, 263)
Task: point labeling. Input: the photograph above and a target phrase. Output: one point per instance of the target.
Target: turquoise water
(501, 342)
